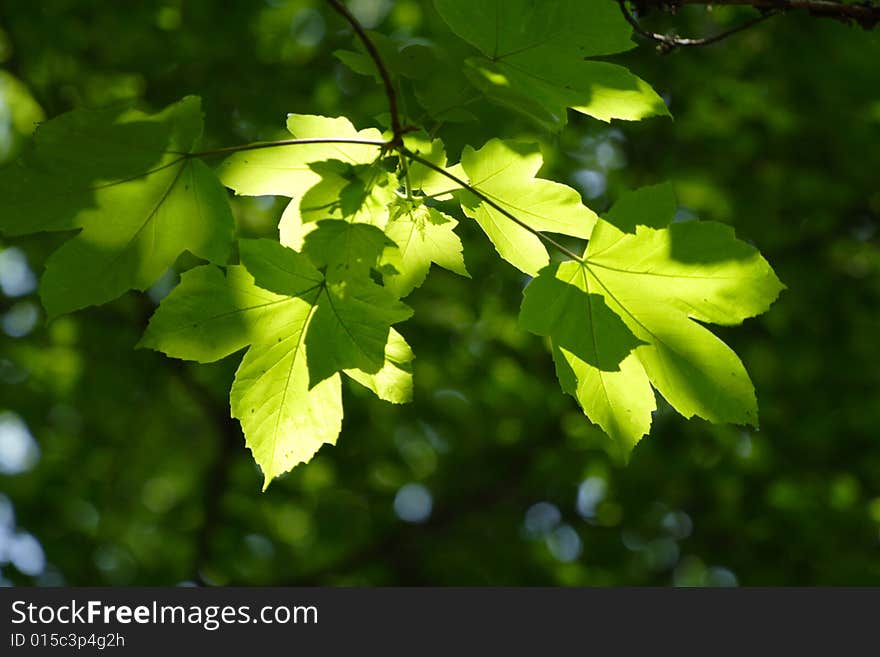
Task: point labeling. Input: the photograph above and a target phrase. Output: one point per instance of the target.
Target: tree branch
(866, 14)
(396, 126)
(668, 42)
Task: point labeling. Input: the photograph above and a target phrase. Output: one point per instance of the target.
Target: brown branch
(668, 42)
(396, 126)
(866, 14)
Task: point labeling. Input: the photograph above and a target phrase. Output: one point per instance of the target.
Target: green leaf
(291, 229)
(533, 58)
(393, 383)
(351, 315)
(557, 303)
(576, 28)
(438, 83)
(592, 351)
(280, 270)
(302, 328)
(620, 401)
(350, 328)
(505, 172)
(446, 92)
(657, 280)
(207, 317)
(350, 251)
(123, 178)
(285, 420)
(286, 170)
(653, 207)
(423, 236)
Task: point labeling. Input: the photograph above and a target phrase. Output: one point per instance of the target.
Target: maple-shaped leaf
(351, 315)
(366, 194)
(291, 229)
(209, 316)
(289, 314)
(287, 170)
(125, 179)
(533, 58)
(505, 172)
(624, 318)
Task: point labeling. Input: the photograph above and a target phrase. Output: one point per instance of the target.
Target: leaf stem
(396, 127)
(407, 185)
(286, 142)
(488, 201)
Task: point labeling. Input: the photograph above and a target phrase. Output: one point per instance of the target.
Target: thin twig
(669, 42)
(488, 201)
(396, 127)
(287, 142)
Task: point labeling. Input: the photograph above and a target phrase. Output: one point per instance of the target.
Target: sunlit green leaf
(124, 178)
(208, 317)
(423, 236)
(505, 172)
(302, 328)
(286, 170)
(394, 382)
(657, 280)
(285, 420)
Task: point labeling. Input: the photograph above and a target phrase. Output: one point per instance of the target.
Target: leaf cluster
(370, 213)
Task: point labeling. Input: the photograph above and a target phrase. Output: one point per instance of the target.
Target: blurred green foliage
(123, 467)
